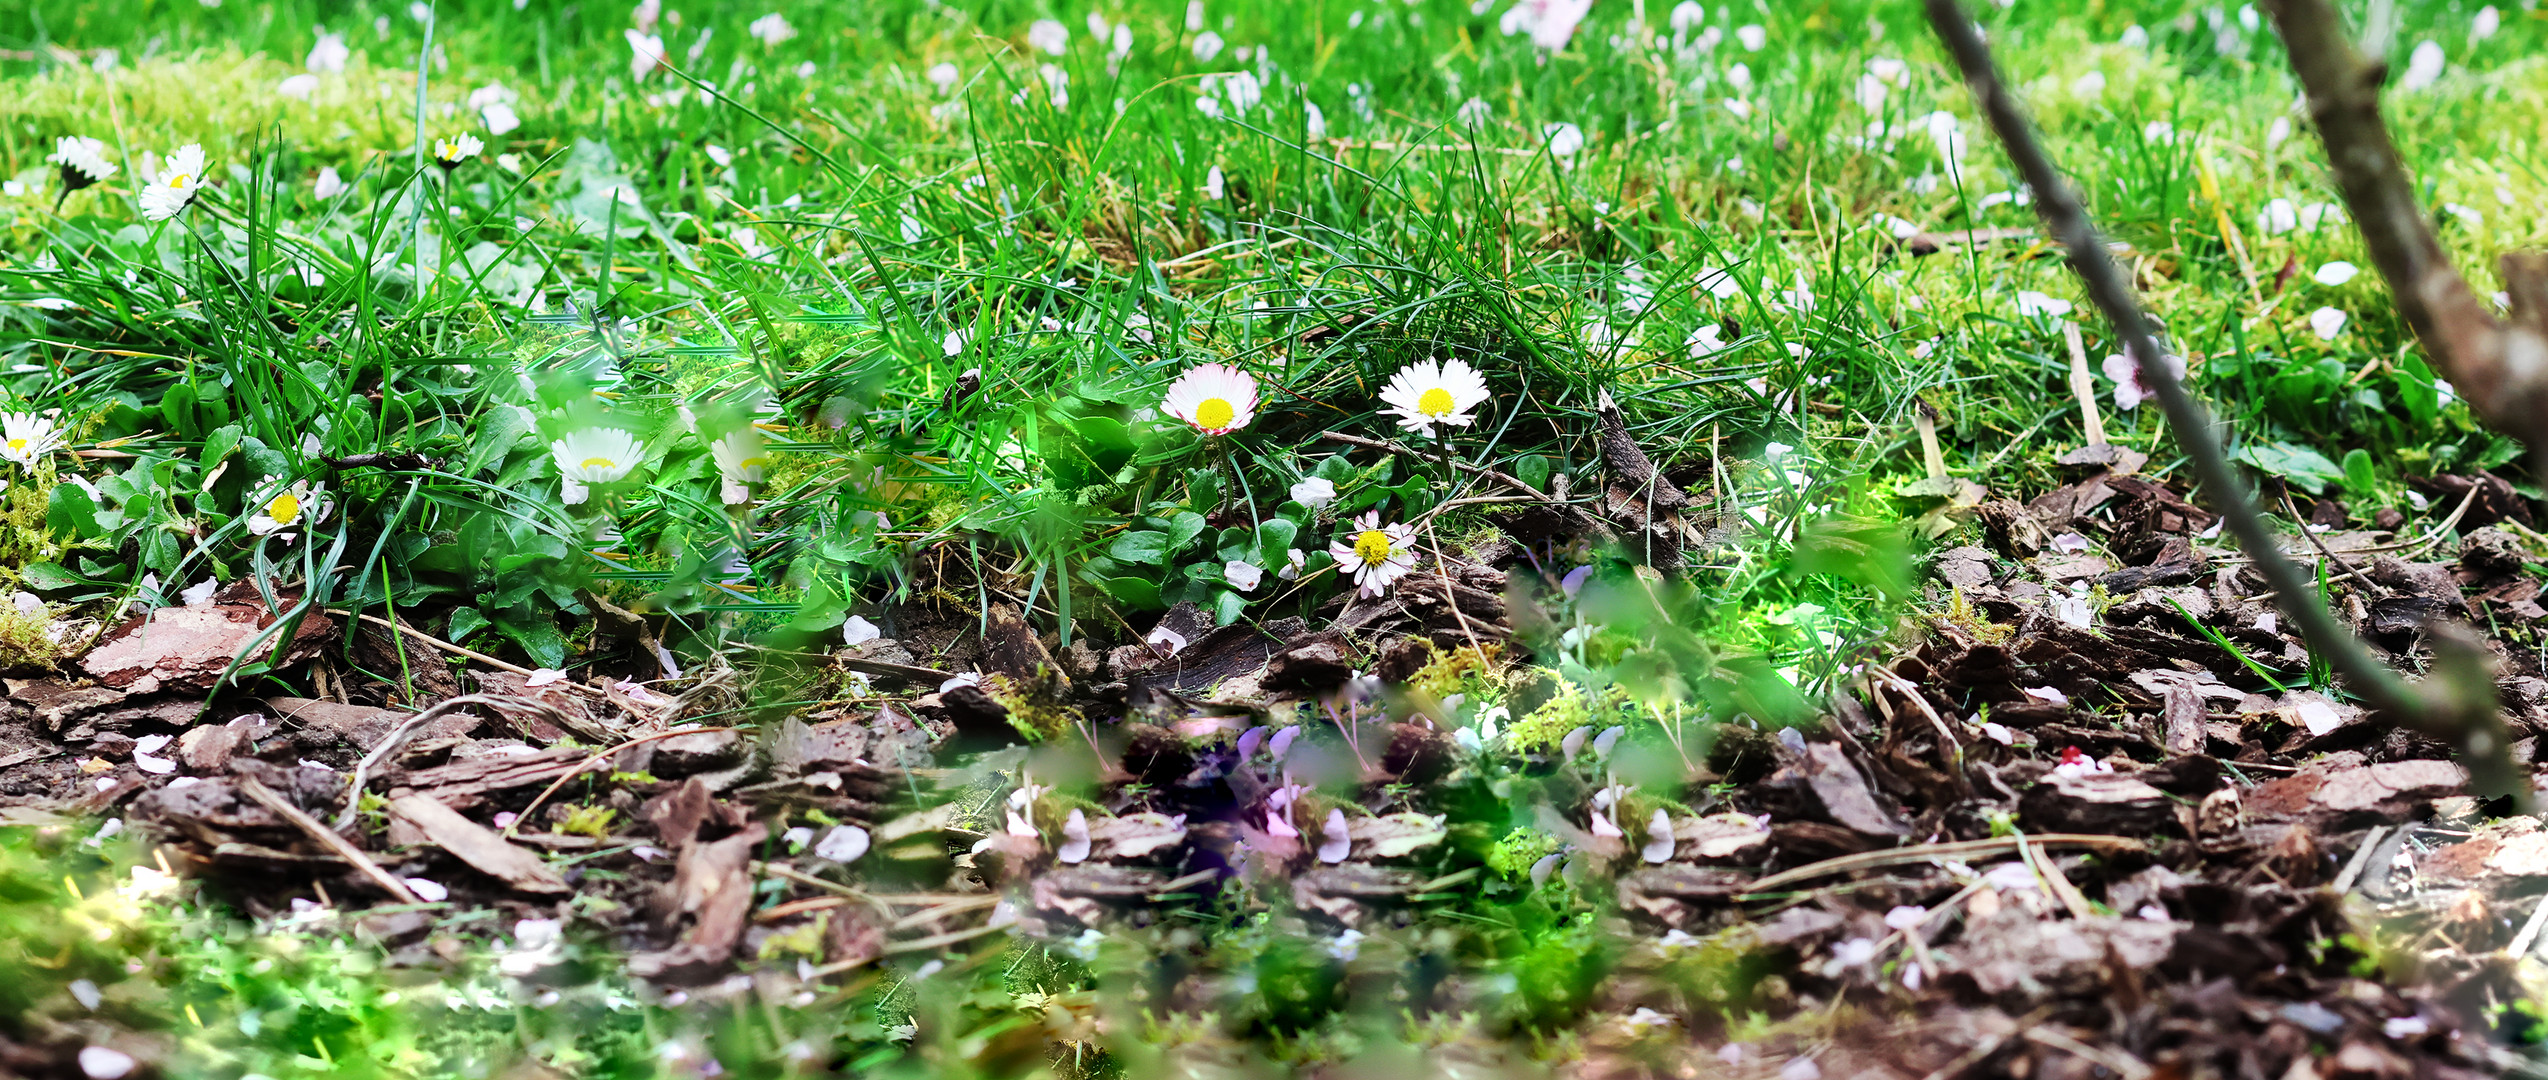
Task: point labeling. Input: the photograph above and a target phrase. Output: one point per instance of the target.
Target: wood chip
(478, 845)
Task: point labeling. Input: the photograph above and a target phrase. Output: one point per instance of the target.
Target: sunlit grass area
(767, 321)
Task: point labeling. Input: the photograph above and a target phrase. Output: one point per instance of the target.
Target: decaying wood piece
(2458, 706)
(478, 845)
(264, 796)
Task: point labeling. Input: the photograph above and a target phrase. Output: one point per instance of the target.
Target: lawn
(758, 368)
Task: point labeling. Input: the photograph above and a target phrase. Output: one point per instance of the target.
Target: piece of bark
(312, 828)
(362, 725)
(189, 648)
(712, 891)
(1839, 792)
(478, 845)
(465, 785)
(2184, 715)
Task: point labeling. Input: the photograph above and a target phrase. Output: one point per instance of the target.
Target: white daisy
(1216, 398)
(594, 456)
(1426, 393)
(329, 184)
(449, 153)
(283, 508)
(83, 161)
(739, 461)
(1378, 556)
(174, 187)
(26, 437)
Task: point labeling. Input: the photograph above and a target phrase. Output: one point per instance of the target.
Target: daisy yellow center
(285, 509)
(748, 463)
(1435, 402)
(1215, 413)
(17, 444)
(598, 463)
(1372, 547)
(179, 182)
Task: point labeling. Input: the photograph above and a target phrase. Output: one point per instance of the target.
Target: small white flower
(739, 464)
(594, 456)
(2336, 273)
(328, 54)
(329, 184)
(858, 631)
(1378, 556)
(2050, 695)
(298, 505)
(945, 76)
(1165, 640)
(2423, 66)
(1216, 399)
(2130, 390)
(1243, 576)
(1426, 393)
(1048, 36)
(2327, 322)
(1206, 46)
(543, 676)
(2275, 134)
(1314, 492)
(449, 153)
(173, 189)
(2488, 21)
(772, 29)
(428, 890)
(299, 87)
(25, 438)
(1214, 187)
(1753, 37)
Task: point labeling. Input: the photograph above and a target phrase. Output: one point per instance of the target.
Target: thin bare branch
(2500, 369)
(2469, 721)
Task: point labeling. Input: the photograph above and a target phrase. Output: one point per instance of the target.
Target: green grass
(833, 239)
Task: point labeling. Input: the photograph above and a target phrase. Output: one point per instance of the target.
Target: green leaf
(1183, 528)
(1133, 592)
(1143, 547)
(498, 432)
(1226, 608)
(464, 622)
(536, 633)
(217, 444)
(1274, 541)
(2298, 464)
(2358, 475)
(71, 512)
(1532, 469)
(49, 576)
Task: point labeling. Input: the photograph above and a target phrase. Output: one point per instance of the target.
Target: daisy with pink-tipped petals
(1216, 398)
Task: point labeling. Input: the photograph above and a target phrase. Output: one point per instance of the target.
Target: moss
(592, 821)
(1035, 710)
(1513, 855)
(1965, 617)
(1569, 709)
(1469, 670)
